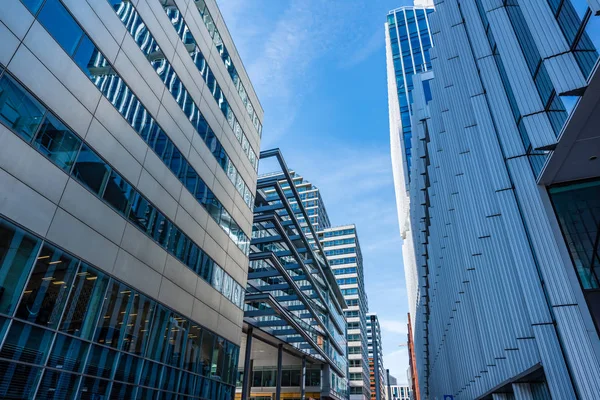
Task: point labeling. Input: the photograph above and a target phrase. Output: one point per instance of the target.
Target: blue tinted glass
(46, 292)
(100, 361)
(18, 252)
(93, 389)
(68, 353)
(87, 55)
(18, 109)
(118, 193)
(57, 142)
(427, 90)
(140, 212)
(33, 5)
(85, 300)
(26, 343)
(57, 385)
(128, 368)
(91, 170)
(121, 391)
(17, 381)
(61, 25)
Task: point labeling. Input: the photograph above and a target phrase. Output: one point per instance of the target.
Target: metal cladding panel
(504, 121)
(451, 13)
(553, 362)
(595, 6)
(468, 68)
(539, 130)
(521, 82)
(580, 354)
(478, 39)
(542, 239)
(564, 72)
(434, 20)
(489, 5)
(544, 28)
(489, 147)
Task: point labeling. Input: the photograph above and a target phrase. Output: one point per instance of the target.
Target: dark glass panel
(151, 374)
(128, 368)
(17, 381)
(110, 328)
(57, 142)
(121, 391)
(26, 343)
(61, 25)
(17, 255)
(208, 343)
(91, 170)
(170, 379)
(33, 5)
(84, 302)
(100, 361)
(138, 317)
(89, 58)
(57, 386)
(93, 389)
(193, 350)
(118, 193)
(141, 211)
(47, 290)
(68, 353)
(19, 111)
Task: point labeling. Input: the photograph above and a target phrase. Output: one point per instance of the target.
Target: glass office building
(128, 173)
(342, 249)
(295, 343)
(503, 214)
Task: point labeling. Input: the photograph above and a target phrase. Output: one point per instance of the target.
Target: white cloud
(397, 363)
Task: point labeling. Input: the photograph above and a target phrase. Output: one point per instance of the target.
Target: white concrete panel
(136, 83)
(144, 248)
(162, 182)
(8, 44)
(85, 206)
(176, 298)
(16, 17)
(137, 274)
(208, 295)
(205, 315)
(36, 77)
(78, 238)
(190, 227)
(24, 206)
(181, 275)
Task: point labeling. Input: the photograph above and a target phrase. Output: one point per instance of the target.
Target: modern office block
(295, 330)
(342, 249)
(505, 296)
(400, 392)
(128, 172)
(377, 373)
(408, 40)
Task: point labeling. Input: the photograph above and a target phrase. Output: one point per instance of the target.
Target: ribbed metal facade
(496, 297)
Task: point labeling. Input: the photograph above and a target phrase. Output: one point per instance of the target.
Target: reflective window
(18, 251)
(57, 385)
(208, 340)
(84, 302)
(91, 170)
(118, 193)
(68, 353)
(26, 343)
(46, 293)
(33, 5)
(57, 142)
(57, 20)
(100, 361)
(18, 381)
(93, 389)
(18, 109)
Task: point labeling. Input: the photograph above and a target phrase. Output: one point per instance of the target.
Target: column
(246, 382)
(303, 380)
(279, 372)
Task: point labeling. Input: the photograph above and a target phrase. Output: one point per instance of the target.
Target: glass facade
(113, 87)
(33, 122)
(213, 32)
(410, 41)
(577, 207)
(70, 331)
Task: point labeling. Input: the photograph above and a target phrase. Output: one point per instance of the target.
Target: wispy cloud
(365, 49)
(395, 326)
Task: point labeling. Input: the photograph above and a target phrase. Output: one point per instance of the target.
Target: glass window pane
(33, 5)
(88, 57)
(208, 340)
(57, 142)
(18, 109)
(151, 374)
(128, 368)
(140, 212)
(17, 255)
(92, 389)
(137, 323)
(84, 302)
(57, 385)
(68, 353)
(47, 290)
(121, 391)
(17, 381)
(118, 193)
(218, 358)
(100, 361)
(217, 281)
(26, 343)
(110, 328)
(193, 350)
(91, 170)
(61, 25)
(170, 379)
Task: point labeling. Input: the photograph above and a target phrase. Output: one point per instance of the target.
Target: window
(33, 5)
(26, 343)
(46, 292)
(61, 25)
(91, 170)
(19, 111)
(18, 252)
(68, 353)
(118, 193)
(57, 142)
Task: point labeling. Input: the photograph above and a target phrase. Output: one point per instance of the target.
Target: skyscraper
(128, 172)
(504, 241)
(408, 40)
(342, 250)
(377, 374)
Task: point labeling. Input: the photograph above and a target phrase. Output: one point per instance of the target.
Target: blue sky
(318, 67)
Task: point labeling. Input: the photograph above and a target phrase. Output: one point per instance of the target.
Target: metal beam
(247, 366)
(279, 372)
